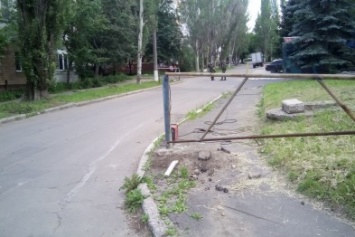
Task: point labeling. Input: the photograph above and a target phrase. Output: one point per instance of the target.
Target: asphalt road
(60, 173)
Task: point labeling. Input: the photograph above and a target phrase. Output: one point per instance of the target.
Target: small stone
(255, 174)
(196, 172)
(202, 181)
(302, 203)
(292, 106)
(194, 177)
(210, 179)
(234, 166)
(225, 190)
(207, 188)
(204, 155)
(210, 172)
(203, 166)
(218, 188)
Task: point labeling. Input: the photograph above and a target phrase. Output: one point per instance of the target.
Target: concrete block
(293, 106)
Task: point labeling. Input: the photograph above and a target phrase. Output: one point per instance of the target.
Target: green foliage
(196, 216)
(76, 95)
(266, 28)
(145, 218)
(10, 95)
(323, 27)
(168, 37)
(40, 24)
(186, 58)
(134, 200)
(184, 172)
(131, 183)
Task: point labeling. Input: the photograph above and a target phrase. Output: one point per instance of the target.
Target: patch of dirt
(136, 224)
(225, 170)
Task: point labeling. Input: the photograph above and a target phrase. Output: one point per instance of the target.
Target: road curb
(155, 222)
(70, 105)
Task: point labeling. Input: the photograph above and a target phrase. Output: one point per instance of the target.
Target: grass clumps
(322, 168)
(173, 199)
(134, 196)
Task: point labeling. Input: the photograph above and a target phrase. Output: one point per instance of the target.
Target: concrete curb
(69, 105)
(155, 223)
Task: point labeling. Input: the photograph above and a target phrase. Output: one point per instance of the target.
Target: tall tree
(323, 27)
(40, 24)
(119, 37)
(84, 37)
(168, 36)
(266, 27)
(213, 27)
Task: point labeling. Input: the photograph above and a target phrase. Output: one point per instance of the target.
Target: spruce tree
(323, 28)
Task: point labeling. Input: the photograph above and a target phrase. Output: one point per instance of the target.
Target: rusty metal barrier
(319, 77)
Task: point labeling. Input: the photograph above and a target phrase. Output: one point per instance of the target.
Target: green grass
(174, 197)
(321, 167)
(12, 108)
(198, 113)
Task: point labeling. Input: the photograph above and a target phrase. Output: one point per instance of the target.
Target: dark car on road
(274, 66)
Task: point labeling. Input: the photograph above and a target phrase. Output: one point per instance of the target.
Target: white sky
(253, 9)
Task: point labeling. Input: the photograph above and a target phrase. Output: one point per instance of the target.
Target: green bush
(86, 83)
(96, 82)
(10, 95)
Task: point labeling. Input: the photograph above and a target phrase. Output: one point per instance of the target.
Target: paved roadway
(60, 173)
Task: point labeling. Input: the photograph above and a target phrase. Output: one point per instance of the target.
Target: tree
(84, 37)
(119, 38)
(323, 27)
(213, 26)
(8, 26)
(40, 24)
(168, 36)
(266, 28)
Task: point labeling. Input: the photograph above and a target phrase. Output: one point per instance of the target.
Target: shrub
(10, 95)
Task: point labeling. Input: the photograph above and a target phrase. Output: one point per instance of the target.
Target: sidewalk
(239, 195)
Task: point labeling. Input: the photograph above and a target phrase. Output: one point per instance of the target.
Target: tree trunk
(197, 58)
(155, 56)
(140, 43)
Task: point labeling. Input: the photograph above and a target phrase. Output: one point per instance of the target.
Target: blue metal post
(166, 103)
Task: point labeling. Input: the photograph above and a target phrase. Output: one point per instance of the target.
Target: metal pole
(272, 136)
(224, 108)
(343, 106)
(166, 104)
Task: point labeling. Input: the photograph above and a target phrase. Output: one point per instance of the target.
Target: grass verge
(12, 108)
(322, 168)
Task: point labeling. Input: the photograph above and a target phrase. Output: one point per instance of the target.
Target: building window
(18, 62)
(62, 63)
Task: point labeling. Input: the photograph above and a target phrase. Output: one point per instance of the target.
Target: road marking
(93, 165)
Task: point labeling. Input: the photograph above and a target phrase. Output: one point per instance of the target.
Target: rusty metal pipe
(343, 106)
(317, 134)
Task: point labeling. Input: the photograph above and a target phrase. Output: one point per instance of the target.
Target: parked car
(275, 66)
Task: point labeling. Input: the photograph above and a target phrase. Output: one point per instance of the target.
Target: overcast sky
(253, 9)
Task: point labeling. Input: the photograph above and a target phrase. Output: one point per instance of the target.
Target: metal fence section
(319, 77)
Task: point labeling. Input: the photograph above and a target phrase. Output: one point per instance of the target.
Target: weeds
(134, 200)
(200, 112)
(144, 218)
(131, 183)
(196, 216)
